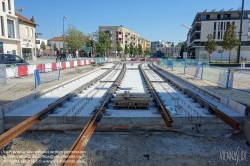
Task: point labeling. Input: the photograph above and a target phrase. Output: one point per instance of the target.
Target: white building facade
(9, 30)
(156, 45)
(27, 28)
(215, 23)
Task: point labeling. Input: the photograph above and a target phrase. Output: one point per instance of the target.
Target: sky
(152, 19)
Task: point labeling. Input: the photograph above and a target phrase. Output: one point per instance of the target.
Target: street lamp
(63, 30)
(238, 52)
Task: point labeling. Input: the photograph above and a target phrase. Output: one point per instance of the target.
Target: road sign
(220, 51)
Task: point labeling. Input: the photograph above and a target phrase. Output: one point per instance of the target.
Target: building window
(214, 25)
(9, 5)
(2, 26)
(31, 32)
(27, 32)
(3, 4)
(221, 26)
(228, 23)
(218, 25)
(10, 24)
(218, 35)
(233, 23)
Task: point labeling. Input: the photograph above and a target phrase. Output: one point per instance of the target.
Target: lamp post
(63, 31)
(238, 52)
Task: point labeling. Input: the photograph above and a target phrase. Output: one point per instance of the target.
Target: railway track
(25, 125)
(82, 140)
(197, 98)
(160, 105)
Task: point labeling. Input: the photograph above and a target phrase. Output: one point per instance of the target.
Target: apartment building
(215, 23)
(9, 30)
(170, 51)
(155, 45)
(27, 28)
(124, 36)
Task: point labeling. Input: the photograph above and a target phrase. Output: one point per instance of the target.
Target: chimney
(32, 19)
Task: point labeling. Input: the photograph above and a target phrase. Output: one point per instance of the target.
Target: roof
(24, 19)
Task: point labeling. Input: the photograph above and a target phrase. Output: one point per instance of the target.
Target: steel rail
(80, 143)
(211, 108)
(161, 106)
(26, 124)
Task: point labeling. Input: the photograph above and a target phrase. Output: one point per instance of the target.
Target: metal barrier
(42, 76)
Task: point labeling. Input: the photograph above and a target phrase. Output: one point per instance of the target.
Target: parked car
(12, 59)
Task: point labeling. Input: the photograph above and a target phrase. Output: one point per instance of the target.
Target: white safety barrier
(58, 65)
(67, 64)
(88, 62)
(31, 69)
(48, 67)
(11, 72)
(3, 77)
(82, 62)
(75, 63)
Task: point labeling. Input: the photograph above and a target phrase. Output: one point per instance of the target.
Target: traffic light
(92, 43)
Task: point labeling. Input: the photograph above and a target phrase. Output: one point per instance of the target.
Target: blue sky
(152, 19)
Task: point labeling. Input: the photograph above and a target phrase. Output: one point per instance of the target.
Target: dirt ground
(137, 148)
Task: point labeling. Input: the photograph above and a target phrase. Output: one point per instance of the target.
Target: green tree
(182, 50)
(102, 42)
(126, 50)
(172, 45)
(131, 49)
(210, 45)
(55, 48)
(230, 40)
(74, 38)
(119, 49)
(147, 51)
(136, 51)
(43, 46)
(139, 49)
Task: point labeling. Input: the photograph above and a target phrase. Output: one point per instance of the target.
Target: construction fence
(236, 78)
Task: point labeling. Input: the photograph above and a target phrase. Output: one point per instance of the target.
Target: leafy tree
(140, 49)
(119, 49)
(43, 46)
(210, 45)
(136, 51)
(131, 49)
(74, 38)
(147, 51)
(152, 52)
(102, 42)
(182, 50)
(172, 45)
(126, 50)
(230, 40)
(55, 48)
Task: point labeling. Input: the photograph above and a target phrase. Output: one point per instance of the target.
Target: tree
(172, 45)
(131, 49)
(74, 38)
(139, 49)
(147, 51)
(182, 50)
(119, 49)
(126, 50)
(210, 45)
(43, 46)
(136, 51)
(229, 39)
(102, 42)
(55, 48)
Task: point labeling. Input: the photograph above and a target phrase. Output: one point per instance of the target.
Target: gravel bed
(131, 148)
